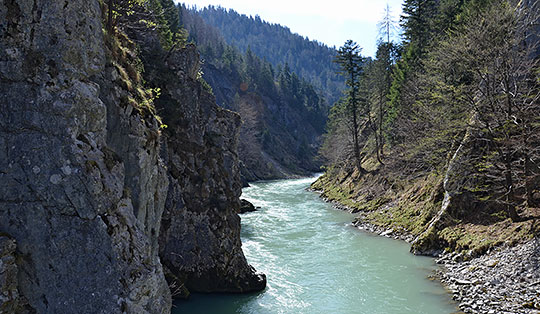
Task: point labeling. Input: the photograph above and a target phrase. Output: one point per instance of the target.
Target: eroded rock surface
(200, 234)
(82, 201)
(246, 206)
(11, 300)
(88, 181)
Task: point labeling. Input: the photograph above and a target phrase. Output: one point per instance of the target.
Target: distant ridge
(283, 113)
(309, 59)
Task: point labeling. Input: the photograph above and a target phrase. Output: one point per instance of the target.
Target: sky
(330, 22)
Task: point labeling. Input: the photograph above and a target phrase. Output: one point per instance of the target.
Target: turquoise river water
(317, 262)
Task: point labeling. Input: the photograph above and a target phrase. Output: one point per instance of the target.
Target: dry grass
(408, 203)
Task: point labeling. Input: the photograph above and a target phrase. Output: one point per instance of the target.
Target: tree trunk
(354, 112)
(110, 16)
(357, 142)
(381, 136)
(377, 140)
(510, 207)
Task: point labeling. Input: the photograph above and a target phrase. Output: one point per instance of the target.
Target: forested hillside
(277, 44)
(283, 114)
(439, 137)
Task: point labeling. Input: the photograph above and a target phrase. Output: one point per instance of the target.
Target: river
(317, 262)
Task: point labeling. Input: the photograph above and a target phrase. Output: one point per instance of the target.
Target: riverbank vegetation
(446, 146)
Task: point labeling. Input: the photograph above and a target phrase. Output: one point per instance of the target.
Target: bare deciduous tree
(491, 65)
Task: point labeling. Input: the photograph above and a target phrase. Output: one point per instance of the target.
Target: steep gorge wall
(283, 116)
(83, 241)
(200, 234)
(200, 239)
(85, 177)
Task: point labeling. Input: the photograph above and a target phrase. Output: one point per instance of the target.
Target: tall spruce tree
(171, 14)
(351, 67)
(417, 23)
(381, 75)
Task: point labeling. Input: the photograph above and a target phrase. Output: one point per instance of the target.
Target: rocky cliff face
(10, 299)
(200, 234)
(80, 198)
(83, 181)
(200, 238)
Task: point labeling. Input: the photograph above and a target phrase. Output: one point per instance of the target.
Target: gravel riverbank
(503, 281)
(506, 280)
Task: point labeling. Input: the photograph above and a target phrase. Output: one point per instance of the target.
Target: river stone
(507, 286)
(246, 206)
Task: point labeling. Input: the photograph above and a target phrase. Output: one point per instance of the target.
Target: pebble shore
(504, 281)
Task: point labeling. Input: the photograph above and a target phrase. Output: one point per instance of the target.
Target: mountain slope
(283, 115)
(277, 44)
(460, 128)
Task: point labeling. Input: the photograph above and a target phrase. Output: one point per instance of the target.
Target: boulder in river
(246, 206)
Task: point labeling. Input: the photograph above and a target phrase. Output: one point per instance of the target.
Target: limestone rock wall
(82, 188)
(10, 299)
(91, 192)
(200, 233)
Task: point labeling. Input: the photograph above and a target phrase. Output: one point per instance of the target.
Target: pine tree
(417, 23)
(381, 77)
(386, 57)
(171, 14)
(351, 67)
(387, 25)
(116, 8)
